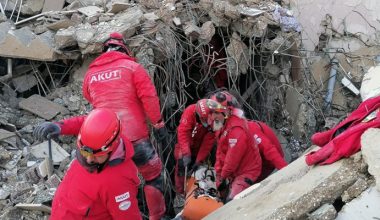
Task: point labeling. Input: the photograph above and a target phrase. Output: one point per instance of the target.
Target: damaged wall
(356, 18)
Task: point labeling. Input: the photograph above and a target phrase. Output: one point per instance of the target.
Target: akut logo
(105, 76)
(203, 108)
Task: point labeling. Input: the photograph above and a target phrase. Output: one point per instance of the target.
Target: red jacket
(110, 194)
(269, 146)
(115, 81)
(193, 139)
(237, 154)
(336, 146)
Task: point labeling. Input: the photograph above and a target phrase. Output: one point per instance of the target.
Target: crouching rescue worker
(102, 181)
(238, 161)
(269, 146)
(195, 141)
(115, 81)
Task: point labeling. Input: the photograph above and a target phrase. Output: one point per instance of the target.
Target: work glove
(223, 185)
(46, 130)
(195, 167)
(183, 162)
(161, 133)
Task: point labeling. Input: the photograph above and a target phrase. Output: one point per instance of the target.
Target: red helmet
(202, 111)
(226, 99)
(115, 42)
(99, 133)
(205, 107)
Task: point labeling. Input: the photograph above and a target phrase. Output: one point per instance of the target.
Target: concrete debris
(237, 61)
(292, 192)
(325, 212)
(248, 11)
(286, 20)
(65, 38)
(364, 207)
(24, 83)
(117, 7)
(90, 11)
(192, 31)
(370, 85)
(29, 45)
(34, 207)
(371, 153)
(53, 5)
(4, 134)
(42, 107)
(41, 151)
(355, 190)
(207, 32)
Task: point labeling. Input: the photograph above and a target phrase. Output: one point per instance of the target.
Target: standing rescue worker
(102, 181)
(195, 141)
(115, 81)
(238, 161)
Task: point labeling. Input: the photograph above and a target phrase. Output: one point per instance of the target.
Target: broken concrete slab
(42, 151)
(292, 192)
(24, 83)
(117, 7)
(34, 207)
(42, 107)
(4, 134)
(364, 207)
(90, 11)
(371, 83)
(191, 30)
(370, 140)
(32, 7)
(23, 43)
(207, 32)
(237, 61)
(65, 38)
(355, 190)
(325, 212)
(62, 24)
(53, 5)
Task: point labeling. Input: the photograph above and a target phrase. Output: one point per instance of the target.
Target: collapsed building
(298, 70)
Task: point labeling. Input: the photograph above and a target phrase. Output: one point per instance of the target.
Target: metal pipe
(331, 85)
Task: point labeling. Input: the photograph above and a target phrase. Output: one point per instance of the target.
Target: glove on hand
(183, 162)
(46, 130)
(161, 133)
(223, 185)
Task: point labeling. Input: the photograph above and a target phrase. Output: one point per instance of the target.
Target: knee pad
(157, 182)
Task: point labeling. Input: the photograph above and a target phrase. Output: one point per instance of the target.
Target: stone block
(292, 192)
(370, 140)
(42, 107)
(42, 151)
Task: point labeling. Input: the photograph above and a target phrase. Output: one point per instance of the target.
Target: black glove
(161, 133)
(195, 167)
(46, 130)
(183, 162)
(223, 185)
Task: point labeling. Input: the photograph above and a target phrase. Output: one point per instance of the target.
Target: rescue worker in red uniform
(267, 142)
(102, 181)
(270, 148)
(115, 81)
(238, 161)
(195, 141)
